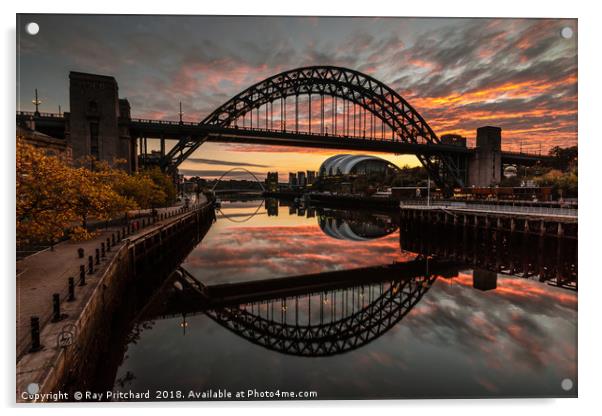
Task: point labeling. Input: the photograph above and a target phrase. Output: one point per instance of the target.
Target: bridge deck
(174, 130)
(246, 292)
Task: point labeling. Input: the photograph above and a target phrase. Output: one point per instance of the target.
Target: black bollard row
(97, 256)
(90, 265)
(82, 275)
(71, 296)
(113, 239)
(102, 250)
(35, 334)
(109, 243)
(56, 308)
(80, 253)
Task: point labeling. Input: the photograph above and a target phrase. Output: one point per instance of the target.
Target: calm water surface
(455, 339)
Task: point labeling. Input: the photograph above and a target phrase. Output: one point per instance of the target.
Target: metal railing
(519, 209)
(33, 114)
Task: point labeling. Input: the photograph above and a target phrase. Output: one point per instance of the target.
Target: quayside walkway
(463, 207)
(43, 275)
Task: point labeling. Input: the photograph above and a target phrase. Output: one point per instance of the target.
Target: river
(476, 329)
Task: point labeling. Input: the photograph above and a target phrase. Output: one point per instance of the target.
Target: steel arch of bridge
(337, 337)
(363, 90)
(245, 219)
(239, 169)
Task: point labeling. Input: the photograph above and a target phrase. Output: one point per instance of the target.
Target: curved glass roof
(343, 164)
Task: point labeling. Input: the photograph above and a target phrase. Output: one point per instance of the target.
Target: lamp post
(36, 101)
(428, 191)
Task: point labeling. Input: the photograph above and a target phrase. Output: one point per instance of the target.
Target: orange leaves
(53, 197)
(42, 209)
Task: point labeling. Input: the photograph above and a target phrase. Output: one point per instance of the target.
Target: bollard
(113, 239)
(90, 265)
(56, 308)
(97, 256)
(102, 250)
(82, 275)
(80, 253)
(143, 223)
(35, 334)
(71, 297)
(109, 243)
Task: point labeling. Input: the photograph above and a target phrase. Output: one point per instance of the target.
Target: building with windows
(292, 179)
(271, 182)
(301, 179)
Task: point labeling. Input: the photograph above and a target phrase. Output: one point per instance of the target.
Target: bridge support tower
(98, 121)
(485, 166)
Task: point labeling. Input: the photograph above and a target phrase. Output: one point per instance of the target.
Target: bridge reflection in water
(335, 312)
(353, 309)
(310, 315)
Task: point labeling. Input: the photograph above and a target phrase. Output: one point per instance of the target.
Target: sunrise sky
(519, 74)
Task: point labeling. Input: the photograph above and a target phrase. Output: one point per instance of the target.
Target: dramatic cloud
(519, 74)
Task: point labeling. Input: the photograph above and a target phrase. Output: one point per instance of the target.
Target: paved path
(47, 272)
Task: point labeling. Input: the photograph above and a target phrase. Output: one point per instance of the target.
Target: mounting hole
(33, 388)
(566, 32)
(32, 28)
(566, 384)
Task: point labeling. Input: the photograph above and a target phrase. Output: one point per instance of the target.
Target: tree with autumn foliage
(53, 196)
(43, 211)
(93, 197)
(564, 184)
(138, 188)
(164, 183)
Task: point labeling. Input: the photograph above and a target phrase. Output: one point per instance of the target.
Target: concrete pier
(554, 223)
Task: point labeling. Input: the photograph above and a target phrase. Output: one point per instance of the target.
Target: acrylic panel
(295, 208)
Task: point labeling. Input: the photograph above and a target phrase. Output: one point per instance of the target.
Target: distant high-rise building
(311, 176)
(271, 182)
(301, 180)
(292, 179)
(272, 207)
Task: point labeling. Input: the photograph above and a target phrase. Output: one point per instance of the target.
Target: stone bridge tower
(98, 120)
(485, 166)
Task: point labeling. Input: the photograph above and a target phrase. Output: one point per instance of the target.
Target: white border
(590, 117)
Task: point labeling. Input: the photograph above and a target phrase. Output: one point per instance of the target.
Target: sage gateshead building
(356, 165)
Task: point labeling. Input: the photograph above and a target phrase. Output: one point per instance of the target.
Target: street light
(36, 101)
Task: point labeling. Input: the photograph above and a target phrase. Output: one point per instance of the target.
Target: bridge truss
(343, 319)
(314, 99)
